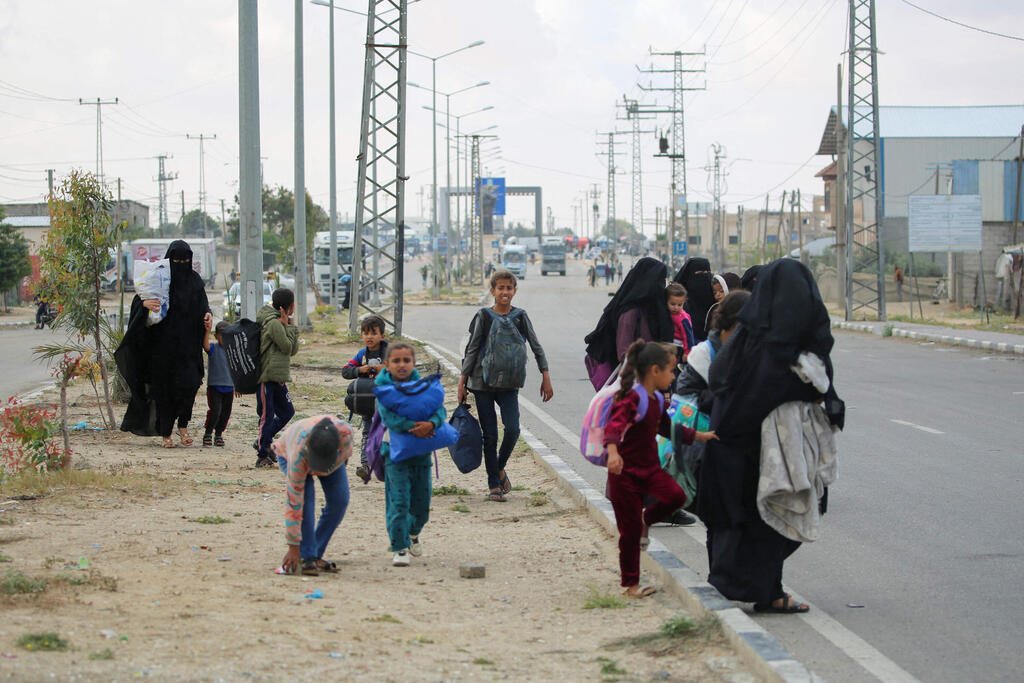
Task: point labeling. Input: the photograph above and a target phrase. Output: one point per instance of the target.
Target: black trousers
(220, 403)
(174, 404)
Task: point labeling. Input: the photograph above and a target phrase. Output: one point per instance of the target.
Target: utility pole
(595, 196)
(299, 193)
(99, 131)
(335, 288)
(862, 166)
(762, 238)
(839, 211)
(739, 237)
(778, 229)
(1016, 221)
(380, 188)
(716, 180)
(120, 277)
(223, 221)
(677, 151)
(250, 213)
(800, 227)
(162, 178)
(182, 221)
(202, 175)
(610, 154)
(635, 114)
(792, 223)
(49, 181)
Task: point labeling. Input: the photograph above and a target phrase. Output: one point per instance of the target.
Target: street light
(433, 206)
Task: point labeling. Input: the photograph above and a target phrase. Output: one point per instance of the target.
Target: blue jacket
(396, 422)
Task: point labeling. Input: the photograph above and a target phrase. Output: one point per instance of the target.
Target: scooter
(49, 315)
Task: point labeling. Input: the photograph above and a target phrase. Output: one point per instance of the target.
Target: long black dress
(163, 364)
(695, 276)
(750, 377)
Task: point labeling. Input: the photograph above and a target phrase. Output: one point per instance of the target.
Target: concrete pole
(448, 172)
(839, 208)
(433, 198)
(250, 214)
(335, 289)
(301, 280)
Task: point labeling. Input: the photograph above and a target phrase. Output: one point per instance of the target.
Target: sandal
(645, 540)
(496, 496)
(186, 440)
(168, 443)
(309, 568)
(638, 592)
(326, 566)
(788, 606)
(218, 440)
(506, 485)
(207, 440)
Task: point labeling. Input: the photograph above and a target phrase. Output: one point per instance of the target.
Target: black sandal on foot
(506, 485)
(327, 566)
(788, 606)
(218, 440)
(309, 568)
(207, 439)
(496, 496)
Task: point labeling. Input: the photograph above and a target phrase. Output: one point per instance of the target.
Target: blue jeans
(495, 459)
(274, 407)
(408, 487)
(315, 537)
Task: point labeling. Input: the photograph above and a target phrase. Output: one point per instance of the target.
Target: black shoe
(207, 439)
(262, 461)
(363, 472)
(680, 518)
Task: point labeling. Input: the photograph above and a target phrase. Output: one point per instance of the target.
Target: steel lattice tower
(863, 236)
(612, 171)
(380, 188)
(162, 178)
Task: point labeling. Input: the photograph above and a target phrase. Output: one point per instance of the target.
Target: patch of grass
(518, 487)
(6, 521)
(31, 482)
(600, 600)
(237, 514)
(49, 562)
(420, 640)
(678, 627)
(537, 499)
(103, 654)
(16, 583)
(460, 507)
(481, 661)
(609, 667)
(887, 331)
(210, 519)
(383, 619)
(49, 641)
(5, 558)
(450, 490)
(315, 392)
(90, 578)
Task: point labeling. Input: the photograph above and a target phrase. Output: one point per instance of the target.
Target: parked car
(233, 299)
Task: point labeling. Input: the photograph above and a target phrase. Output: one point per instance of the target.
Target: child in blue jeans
(407, 483)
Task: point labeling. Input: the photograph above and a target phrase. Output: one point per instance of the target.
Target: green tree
(279, 221)
(14, 261)
(192, 224)
(74, 255)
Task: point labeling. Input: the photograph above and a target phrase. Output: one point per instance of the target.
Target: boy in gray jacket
(279, 341)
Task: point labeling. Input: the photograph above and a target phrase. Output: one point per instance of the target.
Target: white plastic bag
(153, 281)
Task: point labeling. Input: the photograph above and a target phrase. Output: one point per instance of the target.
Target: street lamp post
(433, 206)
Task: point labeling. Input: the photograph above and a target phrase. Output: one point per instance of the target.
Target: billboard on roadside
(944, 222)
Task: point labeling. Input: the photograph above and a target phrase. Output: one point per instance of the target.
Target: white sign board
(945, 222)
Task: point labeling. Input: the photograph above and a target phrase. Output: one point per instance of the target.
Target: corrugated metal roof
(990, 121)
(28, 221)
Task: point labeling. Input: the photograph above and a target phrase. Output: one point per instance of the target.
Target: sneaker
(363, 472)
(680, 518)
(207, 439)
(262, 461)
(401, 559)
(415, 548)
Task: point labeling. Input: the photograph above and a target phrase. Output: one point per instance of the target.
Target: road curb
(17, 323)
(949, 340)
(758, 648)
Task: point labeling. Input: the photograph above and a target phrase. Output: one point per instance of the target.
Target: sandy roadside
(167, 596)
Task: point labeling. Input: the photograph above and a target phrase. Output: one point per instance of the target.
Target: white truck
(322, 263)
(552, 255)
(204, 257)
(513, 259)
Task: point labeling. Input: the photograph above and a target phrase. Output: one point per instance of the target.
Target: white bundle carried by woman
(153, 281)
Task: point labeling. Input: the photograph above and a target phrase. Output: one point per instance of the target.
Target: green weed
(383, 619)
(450, 490)
(678, 627)
(6, 521)
(211, 519)
(609, 667)
(105, 653)
(460, 507)
(5, 558)
(537, 499)
(16, 583)
(599, 600)
(481, 661)
(43, 641)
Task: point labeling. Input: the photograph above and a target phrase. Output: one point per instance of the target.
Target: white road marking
(917, 426)
(843, 638)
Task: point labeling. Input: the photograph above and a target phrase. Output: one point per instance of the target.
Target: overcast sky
(556, 70)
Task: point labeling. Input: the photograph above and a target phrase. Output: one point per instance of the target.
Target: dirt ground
(159, 563)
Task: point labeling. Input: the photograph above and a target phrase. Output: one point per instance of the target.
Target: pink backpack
(592, 436)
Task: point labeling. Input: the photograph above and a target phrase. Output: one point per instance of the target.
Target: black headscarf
(700, 297)
(642, 288)
(749, 278)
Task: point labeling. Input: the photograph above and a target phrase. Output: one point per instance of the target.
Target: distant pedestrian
(898, 277)
(608, 272)
(279, 341)
(618, 271)
(634, 469)
(220, 389)
(592, 276)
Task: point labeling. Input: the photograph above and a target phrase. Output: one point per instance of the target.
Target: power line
(960, 23)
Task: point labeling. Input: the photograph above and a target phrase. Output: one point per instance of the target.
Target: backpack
(359, 397)
(504, 351)
(596, 419)
(681, 460)
(374, 444)
(242, 348)
(467, 452)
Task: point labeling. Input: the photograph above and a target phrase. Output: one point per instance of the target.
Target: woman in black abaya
(163, 363)
(750, 377)
(637, 311)
(695, 276)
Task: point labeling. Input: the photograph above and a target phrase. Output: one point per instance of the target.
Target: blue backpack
(504, 352)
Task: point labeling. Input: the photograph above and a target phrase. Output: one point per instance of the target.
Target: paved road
(19, 371)
(925, 522)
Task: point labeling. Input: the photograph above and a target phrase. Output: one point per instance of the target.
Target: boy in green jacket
(279, 341)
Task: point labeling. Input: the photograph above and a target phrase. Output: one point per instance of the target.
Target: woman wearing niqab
(163, 363)
(638, 310)
(695, 276)
(750, 377)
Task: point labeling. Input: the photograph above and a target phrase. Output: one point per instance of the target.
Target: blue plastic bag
(416, 400)
(404, 445)
(468, 451)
